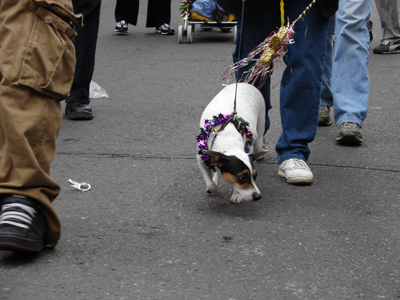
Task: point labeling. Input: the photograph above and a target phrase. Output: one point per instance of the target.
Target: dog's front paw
(236, 198)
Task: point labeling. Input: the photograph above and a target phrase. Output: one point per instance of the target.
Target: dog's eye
(243, 178)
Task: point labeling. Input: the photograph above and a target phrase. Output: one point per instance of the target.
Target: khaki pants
(37, 61)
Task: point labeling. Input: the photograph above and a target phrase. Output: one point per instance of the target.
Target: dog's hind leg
(259, 140)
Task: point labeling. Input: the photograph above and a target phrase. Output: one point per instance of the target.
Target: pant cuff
(289, 156)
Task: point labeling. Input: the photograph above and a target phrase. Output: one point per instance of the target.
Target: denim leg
(301, 83)
(253, 33)
(350, 80)
(326, 86)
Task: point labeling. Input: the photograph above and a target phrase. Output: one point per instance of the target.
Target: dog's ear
(256, 155)
(217, 157)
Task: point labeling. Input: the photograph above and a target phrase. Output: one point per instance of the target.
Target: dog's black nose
(256, 196)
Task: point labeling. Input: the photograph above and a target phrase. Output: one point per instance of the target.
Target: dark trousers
(85, 46)
(158, 12)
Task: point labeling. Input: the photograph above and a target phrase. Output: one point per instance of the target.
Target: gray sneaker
(349, 133)
(324, 118)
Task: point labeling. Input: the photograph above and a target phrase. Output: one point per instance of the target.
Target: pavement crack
(190, 157)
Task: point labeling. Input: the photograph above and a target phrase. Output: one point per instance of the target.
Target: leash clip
(83, 186)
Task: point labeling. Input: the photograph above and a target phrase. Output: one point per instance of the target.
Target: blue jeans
(326, 84)
(301, 79)
(350, 80)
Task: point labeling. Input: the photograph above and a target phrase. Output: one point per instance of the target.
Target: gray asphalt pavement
(148, 230)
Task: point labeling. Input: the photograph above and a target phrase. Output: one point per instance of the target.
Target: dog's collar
(210, 127)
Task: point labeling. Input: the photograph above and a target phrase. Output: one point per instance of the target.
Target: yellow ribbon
(282, 14)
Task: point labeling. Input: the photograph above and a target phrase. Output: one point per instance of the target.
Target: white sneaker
(295, 171)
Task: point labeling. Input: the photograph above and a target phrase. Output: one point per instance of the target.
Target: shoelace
(351, 125)
(323, 108)
(299, 164)
(17, 214)
(389, 42)
(122, 25)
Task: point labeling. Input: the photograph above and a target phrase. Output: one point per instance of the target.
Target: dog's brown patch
(242, 179)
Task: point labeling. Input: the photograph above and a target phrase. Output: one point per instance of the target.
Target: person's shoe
(78, 111)
(388, 46)
(22, 224)
(349, 133)
(165, 29)
(296, 171)
(324, 118)
(121, 27)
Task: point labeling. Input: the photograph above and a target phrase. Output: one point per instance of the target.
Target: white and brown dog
(231, 145)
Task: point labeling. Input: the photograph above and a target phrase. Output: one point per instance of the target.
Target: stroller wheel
(180, 34)
(190, 34)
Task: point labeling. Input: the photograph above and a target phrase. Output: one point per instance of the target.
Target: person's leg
(77, 107)
(326, 103)
(388, 13)
(159, 16)
(326, 89)
(29, 126)
(126, 12)
(301, 82)
(255, 31)
(350, 80)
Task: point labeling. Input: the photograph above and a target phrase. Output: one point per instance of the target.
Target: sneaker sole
(394, 51)
(20, 245)
(121, 32)
(349, 140)
(386, 52)
(298, 180)
(79, 116)
(391, 52)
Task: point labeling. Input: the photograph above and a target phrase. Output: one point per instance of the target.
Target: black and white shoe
(387, 46)
(121, 27)
(165, 29)
(22, 224)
